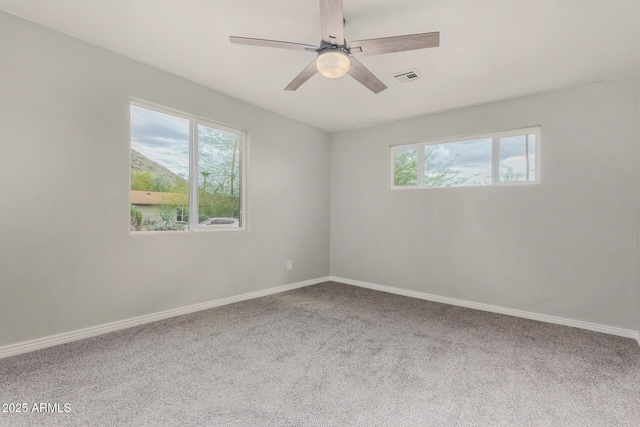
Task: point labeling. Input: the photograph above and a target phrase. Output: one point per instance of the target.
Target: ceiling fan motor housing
(333, 62)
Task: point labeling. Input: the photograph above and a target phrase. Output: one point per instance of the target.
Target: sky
(162, 138)
(472, 159)
(512, 150)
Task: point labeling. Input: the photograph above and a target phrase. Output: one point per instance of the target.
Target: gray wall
(66, 258)
(566, 247)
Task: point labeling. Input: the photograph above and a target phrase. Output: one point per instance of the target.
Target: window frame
(181, 212)
(495, 158)
(193, 206)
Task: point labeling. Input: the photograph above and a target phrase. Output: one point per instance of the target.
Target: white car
(220, 222)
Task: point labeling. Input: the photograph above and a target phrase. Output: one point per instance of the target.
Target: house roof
(158, 198)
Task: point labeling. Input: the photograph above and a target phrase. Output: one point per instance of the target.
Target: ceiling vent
(407, 76)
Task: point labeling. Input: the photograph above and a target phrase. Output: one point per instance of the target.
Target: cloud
(162, 138)
(471, 160)
(514, 146)
(473, 153)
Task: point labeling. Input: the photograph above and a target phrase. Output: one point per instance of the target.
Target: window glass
(405, 166)
(159, 170)
(186, 173)
(219, 177)
(518, 158)
(509, 157)
(458, 163)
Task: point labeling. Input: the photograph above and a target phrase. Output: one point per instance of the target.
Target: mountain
(147, 175)
(145, 164)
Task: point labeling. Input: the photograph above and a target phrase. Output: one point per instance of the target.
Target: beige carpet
(332, 355)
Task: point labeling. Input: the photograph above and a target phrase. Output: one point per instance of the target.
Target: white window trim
(194, 121)
(392, 158)
(495, 159)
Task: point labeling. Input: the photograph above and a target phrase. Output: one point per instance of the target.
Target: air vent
(407, 76)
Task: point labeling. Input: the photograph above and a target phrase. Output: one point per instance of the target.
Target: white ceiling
(489, 49)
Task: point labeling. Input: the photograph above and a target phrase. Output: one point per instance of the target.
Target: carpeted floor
(332, 355)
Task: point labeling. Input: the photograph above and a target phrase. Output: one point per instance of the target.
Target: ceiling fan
(335, 57)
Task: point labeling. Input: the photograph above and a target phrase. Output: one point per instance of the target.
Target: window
(182, 214)
(186, 173)
(500, 158)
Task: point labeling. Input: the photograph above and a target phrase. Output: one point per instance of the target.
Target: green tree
(509, 174)
(219, 165)
(136, 217)
(436, 175)
(405, 171)
(142, 181)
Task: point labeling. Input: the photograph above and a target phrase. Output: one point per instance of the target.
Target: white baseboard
(628, 333)
(50, 341)
(53, 340)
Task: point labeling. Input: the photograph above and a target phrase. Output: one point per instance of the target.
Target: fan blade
(395, 44)
(304, 75)
(273, 43)
(366, 77)
(332, 21)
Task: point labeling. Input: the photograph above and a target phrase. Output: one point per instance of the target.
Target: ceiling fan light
(333, 63)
